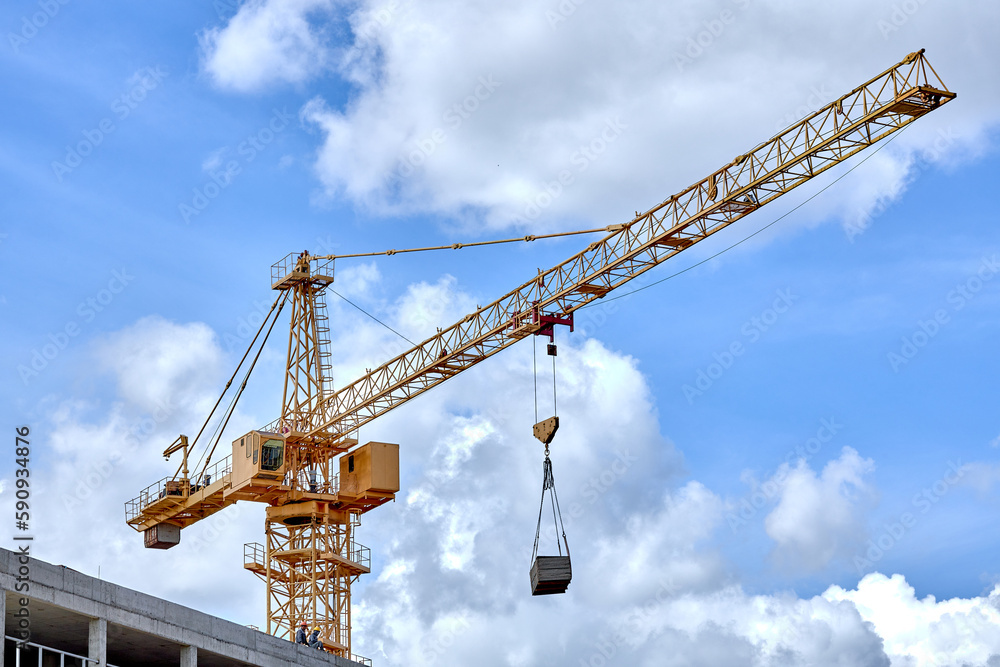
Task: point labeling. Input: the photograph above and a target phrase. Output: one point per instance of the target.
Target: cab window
(272, 454)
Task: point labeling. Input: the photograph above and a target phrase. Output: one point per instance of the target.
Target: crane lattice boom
(857, 120)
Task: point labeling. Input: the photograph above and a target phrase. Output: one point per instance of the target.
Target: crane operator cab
(258, 461)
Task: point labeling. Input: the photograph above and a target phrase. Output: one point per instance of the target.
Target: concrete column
(98, 641)
(189, 656)
(3, 623)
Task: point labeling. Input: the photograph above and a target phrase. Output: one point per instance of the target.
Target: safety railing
(314, 482)
(30, 653)
(146, 497)
(254, 554)
(318, 268)
(213, 473)
(360, 554)
(176, 487)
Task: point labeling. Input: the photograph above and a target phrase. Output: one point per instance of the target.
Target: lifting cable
(373, 317)
(610, 228)
(231, 408)
(548, 480)
(534, 373)
(243, 385)
(555, 407)
(228, 385)
(534, 367)
(549, 484)
(233, 377)
(747, 238)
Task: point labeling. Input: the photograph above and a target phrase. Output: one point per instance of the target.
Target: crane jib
(866, 115)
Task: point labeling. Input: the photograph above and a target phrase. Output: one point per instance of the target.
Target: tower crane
(307, 466)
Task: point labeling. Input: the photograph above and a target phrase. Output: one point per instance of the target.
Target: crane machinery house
(370, 468)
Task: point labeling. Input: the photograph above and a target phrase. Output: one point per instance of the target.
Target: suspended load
(550, 574)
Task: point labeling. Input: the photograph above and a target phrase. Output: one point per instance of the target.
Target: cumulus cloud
(157, 363)
(820, 518)
(358, 279)
(453, 587)
(474, 110)
(662, 547)
(650, 588)
(926, 631)
(108, 446)
(267, 42)
(451, 556)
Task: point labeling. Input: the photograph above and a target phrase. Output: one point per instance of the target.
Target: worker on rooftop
(300, 634)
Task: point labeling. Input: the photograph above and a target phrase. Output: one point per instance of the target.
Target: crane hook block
(546, 430)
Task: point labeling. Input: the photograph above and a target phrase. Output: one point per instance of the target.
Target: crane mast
(313, 475)
(309, 558)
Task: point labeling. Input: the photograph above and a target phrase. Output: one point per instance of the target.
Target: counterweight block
(162, 536)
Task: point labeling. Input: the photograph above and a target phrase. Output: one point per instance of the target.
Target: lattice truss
(308, 374)
(308, 571)
(831, 135)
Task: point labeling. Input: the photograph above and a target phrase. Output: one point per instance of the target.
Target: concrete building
(80, 621)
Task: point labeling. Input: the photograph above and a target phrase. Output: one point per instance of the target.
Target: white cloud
(453, 588)
(213, 160)
(357, 279)
(426, 306)
(105, 451)
(926, 632)
(267, 42)
(450, 582)
(474, 109)
(819, 519)
(661, 546)
(159, 363)
(980, 475)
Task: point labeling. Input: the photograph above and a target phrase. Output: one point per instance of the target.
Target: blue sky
(157, 159)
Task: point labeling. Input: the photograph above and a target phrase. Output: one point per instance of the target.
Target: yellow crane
(316, 479)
